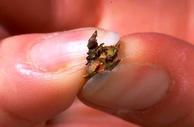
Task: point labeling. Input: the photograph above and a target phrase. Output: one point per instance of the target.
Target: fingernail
(66, 50)
(128, 87)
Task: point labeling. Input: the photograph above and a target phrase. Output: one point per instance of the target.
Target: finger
(149, 16)
(152, 86)
(42, 73)
(48, 15)
(80, 115)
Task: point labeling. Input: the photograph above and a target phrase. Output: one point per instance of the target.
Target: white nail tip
(109, 38)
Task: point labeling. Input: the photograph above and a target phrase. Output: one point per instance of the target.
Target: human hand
(149, 48)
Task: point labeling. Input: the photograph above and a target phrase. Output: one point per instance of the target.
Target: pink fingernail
(66, 50)
(128, 87)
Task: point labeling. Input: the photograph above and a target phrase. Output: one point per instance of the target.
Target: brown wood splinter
(100, 58)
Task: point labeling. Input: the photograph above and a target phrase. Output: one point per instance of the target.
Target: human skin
(173, 18)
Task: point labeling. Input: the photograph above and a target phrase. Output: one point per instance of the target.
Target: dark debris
(100, 58)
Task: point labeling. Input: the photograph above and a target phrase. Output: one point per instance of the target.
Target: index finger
(41, 74)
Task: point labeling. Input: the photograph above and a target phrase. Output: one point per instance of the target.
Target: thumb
(41, 74)
(152, 86)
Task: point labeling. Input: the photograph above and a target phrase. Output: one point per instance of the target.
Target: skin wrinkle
(16, 118)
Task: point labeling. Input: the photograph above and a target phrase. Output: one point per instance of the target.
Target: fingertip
(40, 79)
(170, 71)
